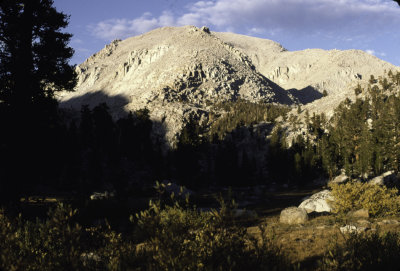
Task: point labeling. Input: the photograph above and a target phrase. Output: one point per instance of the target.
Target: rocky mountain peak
(175, 71)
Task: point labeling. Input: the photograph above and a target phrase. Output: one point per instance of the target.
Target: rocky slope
(174, 71)
(308, 73)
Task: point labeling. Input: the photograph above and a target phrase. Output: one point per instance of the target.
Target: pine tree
(34, 53)
(34, 65)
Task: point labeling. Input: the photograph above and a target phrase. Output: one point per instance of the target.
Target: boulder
(342, 178)
(318, 202)
(361, 213)
(102, 195)
(387, 178)
(293, 215)
(352, 229)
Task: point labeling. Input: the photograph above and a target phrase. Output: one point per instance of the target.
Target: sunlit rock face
(180, 71)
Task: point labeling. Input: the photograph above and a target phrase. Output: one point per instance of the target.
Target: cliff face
(177, 71)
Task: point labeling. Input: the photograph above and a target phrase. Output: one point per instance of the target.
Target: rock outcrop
(388, 178)
(340, 179)
(318, 202)
(352, 229)
(293, 215)
(308, 73)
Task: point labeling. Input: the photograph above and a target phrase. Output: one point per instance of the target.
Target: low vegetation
(242, 113)
(378, 200)
(172, 234)
(373, 251)
(165, 237)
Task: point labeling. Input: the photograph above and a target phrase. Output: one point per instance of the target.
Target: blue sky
(369, 25)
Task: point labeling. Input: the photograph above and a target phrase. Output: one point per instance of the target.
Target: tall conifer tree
(34, 57)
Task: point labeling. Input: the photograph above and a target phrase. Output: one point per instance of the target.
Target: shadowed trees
(34, 57)
(34, 52)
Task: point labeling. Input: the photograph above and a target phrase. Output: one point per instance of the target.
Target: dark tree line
(102, 152)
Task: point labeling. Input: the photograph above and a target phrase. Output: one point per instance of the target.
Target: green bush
(364, 252)
(53, 244)
(378, 200)
(168, 236)
(183, 238)
(58, 244)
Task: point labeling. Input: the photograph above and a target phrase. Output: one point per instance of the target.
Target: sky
(369, 25)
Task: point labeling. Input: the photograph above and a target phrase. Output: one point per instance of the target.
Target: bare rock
(102, 195)
(387, 178)
(352, 229)
(342, 178)
(318, 202)
(293, 215)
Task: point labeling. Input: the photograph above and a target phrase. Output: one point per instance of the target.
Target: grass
(306, 245)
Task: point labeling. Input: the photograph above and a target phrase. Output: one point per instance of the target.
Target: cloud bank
(344, 18)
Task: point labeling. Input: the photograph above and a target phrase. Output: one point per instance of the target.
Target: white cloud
(375, 53)
(297, 16)
(346, 18)
(371, 52)
(123, 28)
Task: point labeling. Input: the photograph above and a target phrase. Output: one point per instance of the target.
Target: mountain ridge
(178, 71)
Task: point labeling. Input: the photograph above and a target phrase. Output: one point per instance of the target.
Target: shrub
(58, 244)
(378, 200)
(183, 238)
(168, 237)
(373, 251)
(53, 244)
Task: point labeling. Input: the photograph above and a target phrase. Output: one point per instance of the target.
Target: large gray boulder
(318, 202)
(293, 215)
(387, 178)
